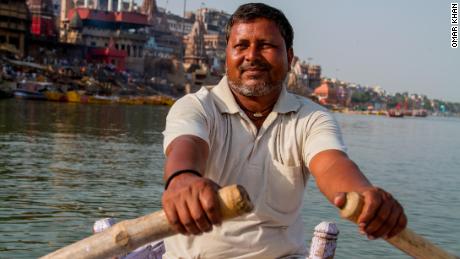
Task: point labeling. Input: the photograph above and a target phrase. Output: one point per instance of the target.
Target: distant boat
(74, 96)
(31, 90)
(100, 99)
(55, 96)
(395, 113)
(420, 113)
(408, 113)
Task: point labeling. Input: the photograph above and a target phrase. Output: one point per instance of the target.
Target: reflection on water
(62, 166)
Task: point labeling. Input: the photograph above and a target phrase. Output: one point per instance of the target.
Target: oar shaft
(407, 240)
(131, 234)
(417, 246)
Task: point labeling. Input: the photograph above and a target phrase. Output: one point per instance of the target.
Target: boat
(420, 113)
(100, 99)
(408, 113)
(55, 94)
(159, 100)
(31, 90)
(131, 100)
(75, 96)
(395, 113)
(323, 243)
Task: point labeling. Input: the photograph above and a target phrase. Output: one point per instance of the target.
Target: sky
(402, 46)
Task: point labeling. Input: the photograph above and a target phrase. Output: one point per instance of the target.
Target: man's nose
(252, 53)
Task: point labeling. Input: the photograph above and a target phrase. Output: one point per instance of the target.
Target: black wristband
(184, 171)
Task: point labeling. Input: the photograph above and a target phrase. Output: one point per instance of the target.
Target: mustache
(256, 64)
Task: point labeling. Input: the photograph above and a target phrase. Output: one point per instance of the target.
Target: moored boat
(100, 99)
(74, 96)
(420, 113)
(55, 96)
(395, 113)
(31, 90)
(159, 100)
(131, 100)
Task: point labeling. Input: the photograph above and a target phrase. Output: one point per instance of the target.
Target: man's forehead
(240, 28)
(268, 22)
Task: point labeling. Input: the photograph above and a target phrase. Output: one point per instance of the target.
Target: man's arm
(190, 202)
(335, 174)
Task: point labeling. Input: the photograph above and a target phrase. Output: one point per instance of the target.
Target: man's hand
(191, 204)
(381, 216)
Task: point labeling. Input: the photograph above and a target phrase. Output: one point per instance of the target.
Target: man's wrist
(178, 173)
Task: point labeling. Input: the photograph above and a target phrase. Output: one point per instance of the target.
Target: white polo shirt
(272, 164)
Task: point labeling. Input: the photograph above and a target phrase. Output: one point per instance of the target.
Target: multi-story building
(313, 75)
(214, 20)
(43, 23)
(14, 24)
(178, 25)
(165, 31)
(111, 37)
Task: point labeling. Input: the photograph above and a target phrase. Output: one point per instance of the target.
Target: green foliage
(361, 97)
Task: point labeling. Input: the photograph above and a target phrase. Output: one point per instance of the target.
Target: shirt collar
(287, 102)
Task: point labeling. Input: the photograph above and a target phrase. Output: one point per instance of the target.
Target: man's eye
(267, 45)
(240, 46)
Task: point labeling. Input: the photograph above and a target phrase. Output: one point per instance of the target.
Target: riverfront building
(14, 25)
(43, 20)
(115, 37)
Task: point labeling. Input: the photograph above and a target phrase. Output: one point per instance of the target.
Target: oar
(131, 234)
(407, 241)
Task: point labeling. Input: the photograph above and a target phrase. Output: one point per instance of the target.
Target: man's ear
(290, 56)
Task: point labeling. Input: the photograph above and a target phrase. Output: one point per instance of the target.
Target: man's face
(257, 59)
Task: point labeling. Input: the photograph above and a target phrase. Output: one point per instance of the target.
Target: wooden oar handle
(407, 240)
(131, 234)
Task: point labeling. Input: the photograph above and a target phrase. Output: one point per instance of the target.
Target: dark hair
(252, 11)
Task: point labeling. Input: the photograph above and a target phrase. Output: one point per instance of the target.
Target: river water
(62, 166)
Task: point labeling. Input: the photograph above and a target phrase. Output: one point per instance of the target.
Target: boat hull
(23, 94)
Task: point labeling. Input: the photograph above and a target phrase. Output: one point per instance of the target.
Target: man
(249, 130)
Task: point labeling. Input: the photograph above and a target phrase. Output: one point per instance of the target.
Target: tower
(195, 52)
(149, 8)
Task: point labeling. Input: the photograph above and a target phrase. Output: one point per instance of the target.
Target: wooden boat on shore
(31, 90)
(131, 100)
(55, 95)
(74, 96)
(100, 99)
(159, 100)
